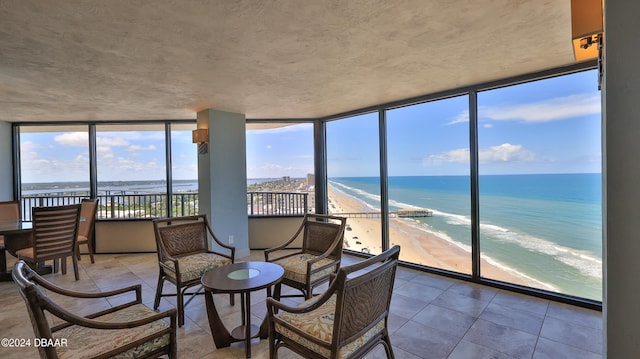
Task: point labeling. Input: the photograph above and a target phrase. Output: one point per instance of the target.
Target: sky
(121, 156)
(546, 126)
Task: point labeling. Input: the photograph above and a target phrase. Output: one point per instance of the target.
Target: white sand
(417, 245)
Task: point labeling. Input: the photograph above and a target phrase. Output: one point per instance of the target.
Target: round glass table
(242, 278)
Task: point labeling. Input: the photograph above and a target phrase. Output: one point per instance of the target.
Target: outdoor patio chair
(346, 321)
(322, 240)
(55, 231)
(128, 330)
(86, 227)
(9, 211)
(184, 256)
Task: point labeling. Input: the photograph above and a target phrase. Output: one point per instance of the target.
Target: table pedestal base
(244, 332)
(240, 332)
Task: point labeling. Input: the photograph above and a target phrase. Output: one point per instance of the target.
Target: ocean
(547, 227)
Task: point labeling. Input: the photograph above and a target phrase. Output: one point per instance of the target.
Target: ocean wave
(357, 192)
(505, 268)
(586, 263)
(355, 198)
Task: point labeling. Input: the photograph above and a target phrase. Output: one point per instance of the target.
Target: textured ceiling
(78, 60)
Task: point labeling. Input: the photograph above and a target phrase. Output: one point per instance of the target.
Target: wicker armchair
(347, 321)
(322, 240)
(129, 330)
(184, 256)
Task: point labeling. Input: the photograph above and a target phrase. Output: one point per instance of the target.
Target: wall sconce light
(587, 28)
(201, 137)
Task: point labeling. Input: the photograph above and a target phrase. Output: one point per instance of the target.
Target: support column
(222, 178)
(621, 113)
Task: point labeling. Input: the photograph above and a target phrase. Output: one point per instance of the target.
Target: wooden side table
(242, 278)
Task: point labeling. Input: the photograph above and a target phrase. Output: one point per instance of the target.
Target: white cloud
(28, 146)
(505, 152)
(460, 155)
(555, 109)
(140, 148)
(463, 117)
(104, 152)
(111, 141)
(80, 139)
(268, 147)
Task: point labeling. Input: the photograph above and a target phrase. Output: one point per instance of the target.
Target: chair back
(10, 211)
(88, 208)
(55, 231)
(36, 303)
(321, 232)
(363, 299)
(180, 236)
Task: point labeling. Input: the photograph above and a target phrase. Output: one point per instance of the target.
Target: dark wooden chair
(346, 321)
(128, 330)
(322, 241)
(55, 231)
(184, 256)
(85, 228)
(9, 211)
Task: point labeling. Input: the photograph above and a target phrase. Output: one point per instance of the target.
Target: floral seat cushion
(82, 342)
(194, 266)
(295, 267)
(319, 324)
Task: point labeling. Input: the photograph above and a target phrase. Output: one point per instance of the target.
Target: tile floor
(431, 317)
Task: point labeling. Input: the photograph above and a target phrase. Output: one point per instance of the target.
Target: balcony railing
(154, 205)
(277, 203)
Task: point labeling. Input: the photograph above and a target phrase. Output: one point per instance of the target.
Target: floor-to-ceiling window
(429, 183)
(353, 171)
(540, 184)
(280, 173)
(129, 161)
(54, 165)
(539, 178)
(131, 170)
(184, 170)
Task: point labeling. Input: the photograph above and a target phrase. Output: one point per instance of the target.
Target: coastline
(417, 245)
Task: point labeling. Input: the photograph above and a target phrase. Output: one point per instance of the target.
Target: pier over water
(403, 213)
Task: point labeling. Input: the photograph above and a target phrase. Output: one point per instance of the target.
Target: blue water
(547, 227)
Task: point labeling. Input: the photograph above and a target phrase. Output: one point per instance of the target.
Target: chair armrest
(70, 293)
(274, 305)
(73, 319)
(231, 256)
(392, 254)
(315, 260)
(283, 245)
(282, 256)
(231, 249)
(174, 260)
(275, 249)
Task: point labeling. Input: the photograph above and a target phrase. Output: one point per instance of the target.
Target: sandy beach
(417, 245)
